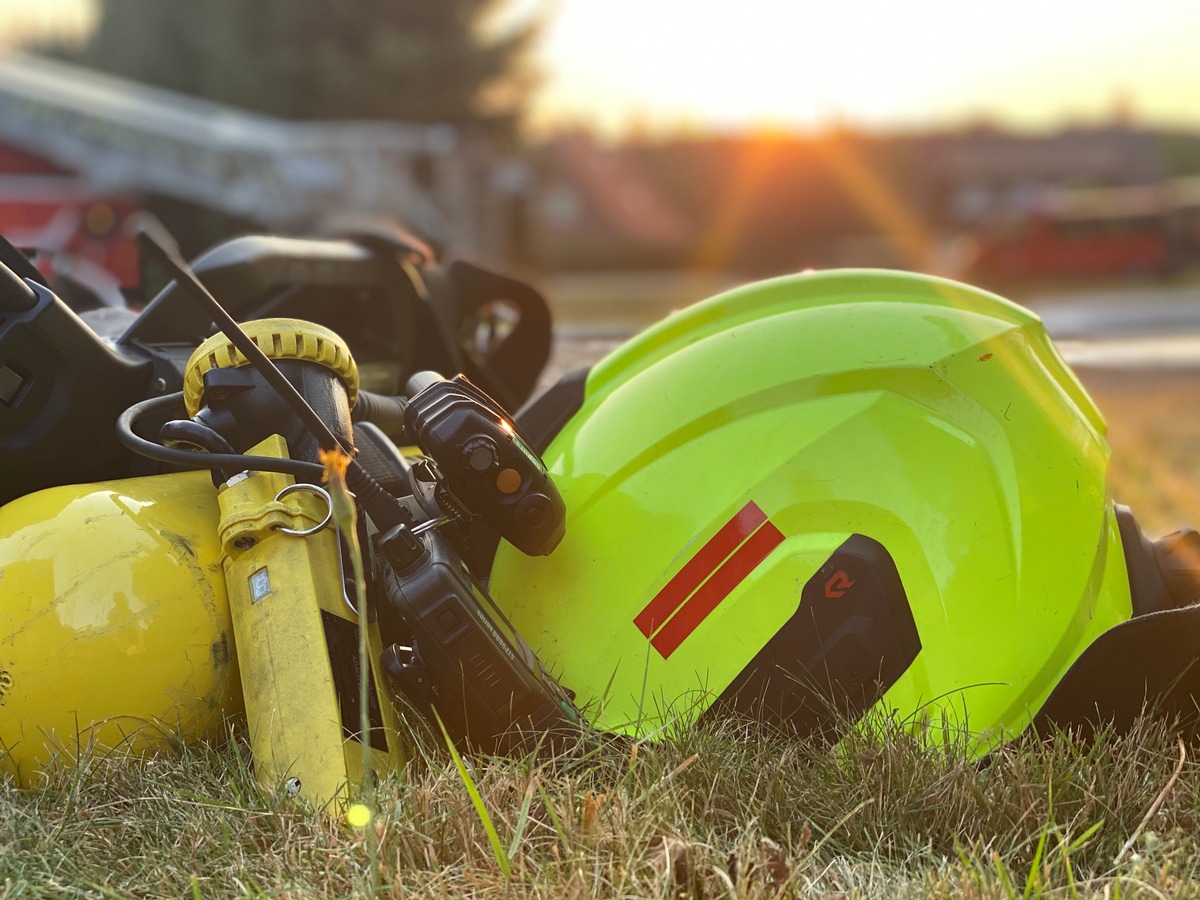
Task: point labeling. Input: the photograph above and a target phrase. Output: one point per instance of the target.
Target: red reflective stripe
(716, 589)
(692, 575)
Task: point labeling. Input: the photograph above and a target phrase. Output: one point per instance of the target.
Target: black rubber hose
(381, 506)
(384, 509)
(186, 434)
(193, 459)
(384, 411)
(179, 433)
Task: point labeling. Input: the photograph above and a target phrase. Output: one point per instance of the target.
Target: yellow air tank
(115, 629)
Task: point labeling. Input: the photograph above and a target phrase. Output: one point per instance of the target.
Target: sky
(664, 65)
(796, 63)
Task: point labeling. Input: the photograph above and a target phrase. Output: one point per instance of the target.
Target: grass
(725, 810)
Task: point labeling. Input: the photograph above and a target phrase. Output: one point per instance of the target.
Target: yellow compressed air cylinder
(114, 624)
(297, 639)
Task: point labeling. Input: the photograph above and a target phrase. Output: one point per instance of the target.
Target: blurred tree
(413, 60)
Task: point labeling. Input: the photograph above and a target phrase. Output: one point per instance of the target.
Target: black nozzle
(419, 381)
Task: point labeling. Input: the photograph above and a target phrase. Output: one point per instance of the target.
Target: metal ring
(312, 489)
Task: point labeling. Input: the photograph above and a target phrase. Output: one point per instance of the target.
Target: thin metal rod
(187, 278)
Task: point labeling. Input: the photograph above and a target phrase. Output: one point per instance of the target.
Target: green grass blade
(1033, 879)
(1085, 837)
(554, 819)
(480, 809)
(523, 816)
(1006, 882)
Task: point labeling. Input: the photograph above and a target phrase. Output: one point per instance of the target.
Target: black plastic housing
(361, 295)
(452, 648)
(61, 390)
(850, 639)
(486, 462)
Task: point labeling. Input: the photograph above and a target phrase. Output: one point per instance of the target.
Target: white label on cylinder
(260, 585)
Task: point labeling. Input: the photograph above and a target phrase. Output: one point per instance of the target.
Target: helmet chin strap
(1145, 665)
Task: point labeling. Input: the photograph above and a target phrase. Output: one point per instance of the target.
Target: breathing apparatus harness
(444, 644)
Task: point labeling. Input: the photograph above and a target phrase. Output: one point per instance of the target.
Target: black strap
(1149, 664)
(19, 262)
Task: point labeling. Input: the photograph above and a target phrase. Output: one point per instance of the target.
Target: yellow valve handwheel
(279, 339)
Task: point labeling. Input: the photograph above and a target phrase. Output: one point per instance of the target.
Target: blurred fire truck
(77, 147)
(1147, 230)
(75, 233)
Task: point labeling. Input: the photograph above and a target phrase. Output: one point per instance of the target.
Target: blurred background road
(1137, 326)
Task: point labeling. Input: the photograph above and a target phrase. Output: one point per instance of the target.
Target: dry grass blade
(1155, 806)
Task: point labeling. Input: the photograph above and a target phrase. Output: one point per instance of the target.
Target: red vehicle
(80, 235)
(1109, 232)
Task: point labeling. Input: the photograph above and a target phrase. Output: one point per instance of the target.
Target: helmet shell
(935, 419)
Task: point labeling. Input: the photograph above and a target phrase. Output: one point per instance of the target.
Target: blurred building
(984, 174)
(770, 203)
(597, 207)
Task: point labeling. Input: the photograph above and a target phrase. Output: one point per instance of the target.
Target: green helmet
(835, 494)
